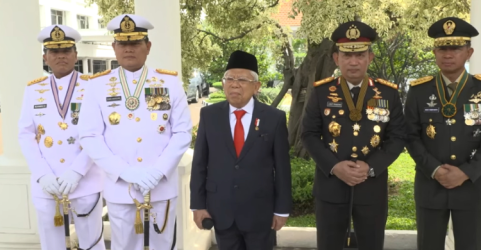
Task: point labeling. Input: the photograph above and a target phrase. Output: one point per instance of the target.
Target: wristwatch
(371, 172)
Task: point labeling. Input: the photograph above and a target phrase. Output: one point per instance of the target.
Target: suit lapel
(226, 129)
(253, 134)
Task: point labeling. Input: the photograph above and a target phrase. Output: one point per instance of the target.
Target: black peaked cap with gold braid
(354, 36)
(451, 31)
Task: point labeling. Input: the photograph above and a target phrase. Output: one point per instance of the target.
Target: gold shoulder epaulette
(325, 80)
(85, 77)
(478, 76)
(37, 80)
(421, 81)
(166, 72)
(387, 83)
(100, 74)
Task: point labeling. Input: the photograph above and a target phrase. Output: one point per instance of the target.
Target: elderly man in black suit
(241, 173)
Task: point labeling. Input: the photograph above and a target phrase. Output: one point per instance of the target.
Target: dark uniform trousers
(332, 224)
(453, 143)
(235, 239)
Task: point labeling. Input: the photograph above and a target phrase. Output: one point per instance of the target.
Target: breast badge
(476, 98)
(365, 150)
(378, 110)
(356, 128)
(432, 98)
(166, 116)
(114, 118)
(375, 140)
(48, 142)
(334, 129)
(333, 145)
(40, 132)
(63, 125)
(161, 129)
(153, 116)
(157, 99)
(431, 130)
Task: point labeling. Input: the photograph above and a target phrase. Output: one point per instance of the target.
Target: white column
(18, 223)
(108, 63)
(85, 65)
(165, 16)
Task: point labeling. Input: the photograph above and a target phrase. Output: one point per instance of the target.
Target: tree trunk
(317, 65)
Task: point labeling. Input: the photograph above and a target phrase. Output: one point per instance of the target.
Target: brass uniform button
(453, 121)
(354, 149)
(341, 112)
(453, 138)
(139, 139)
(60, 88)
(356, 133)
(62, 160)
(139, 159)
(137, 119)
(453, 157)
(59, 142)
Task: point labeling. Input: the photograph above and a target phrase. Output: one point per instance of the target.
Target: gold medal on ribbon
(114, 118)
(334, 129)
(63, 125)
(48, 142)
(354, 111)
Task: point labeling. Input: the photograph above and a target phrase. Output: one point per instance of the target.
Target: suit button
(236, 167)
(453, 138)
(235, 186)
(139, 159)
(453, 157)
(139, 139)
(62, 160)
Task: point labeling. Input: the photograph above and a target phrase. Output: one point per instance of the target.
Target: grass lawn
(401, 198)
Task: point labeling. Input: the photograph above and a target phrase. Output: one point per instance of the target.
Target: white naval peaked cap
(58, 36)
(129, 27)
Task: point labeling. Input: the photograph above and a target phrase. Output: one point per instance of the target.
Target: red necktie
(239, 131)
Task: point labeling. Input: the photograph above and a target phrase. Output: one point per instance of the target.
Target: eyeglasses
(242, 81)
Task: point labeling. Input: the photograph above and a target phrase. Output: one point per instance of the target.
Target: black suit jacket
(248, 189)
(453, 144)
(317, 138)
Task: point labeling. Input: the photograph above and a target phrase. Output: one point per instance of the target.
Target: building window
(114, 64)
(101, 24)
(99, 66)
(57, 17)
(79, 66)
(83, 22)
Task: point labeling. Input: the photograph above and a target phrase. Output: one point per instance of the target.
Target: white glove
(68, 181)
(156, 173)
(140, 177)
(49, 184)
(136, 186)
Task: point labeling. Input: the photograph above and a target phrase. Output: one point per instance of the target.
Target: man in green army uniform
(443, 123)
(353, 128)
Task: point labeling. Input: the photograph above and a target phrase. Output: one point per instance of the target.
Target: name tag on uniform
(114, 98)
(334, 104)
(431, 110)
(40, 106)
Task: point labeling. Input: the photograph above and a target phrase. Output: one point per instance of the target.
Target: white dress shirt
(246, 121)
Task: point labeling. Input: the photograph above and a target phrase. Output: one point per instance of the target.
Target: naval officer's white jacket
(145, 139)
(46, 146)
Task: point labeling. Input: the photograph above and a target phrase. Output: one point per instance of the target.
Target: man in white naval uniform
(138, 129)
(48, 137)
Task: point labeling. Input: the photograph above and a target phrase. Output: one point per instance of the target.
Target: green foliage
(216, 100)
(217, 95)
(217, 85)
(267, 95)
(194, 135)
(402, 211)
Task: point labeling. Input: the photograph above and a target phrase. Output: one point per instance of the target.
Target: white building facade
(95, 53)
